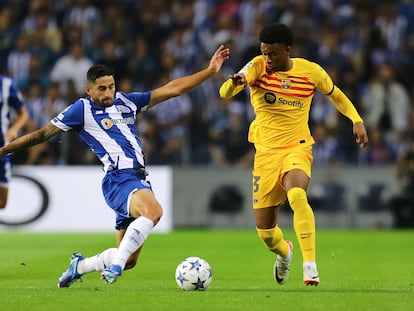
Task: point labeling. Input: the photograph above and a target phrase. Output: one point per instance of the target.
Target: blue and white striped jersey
(10, 99)
(110, 132)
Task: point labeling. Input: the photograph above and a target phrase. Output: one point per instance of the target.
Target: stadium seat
(327, 197)
(225, 207)
(371, 197)
(226, 199)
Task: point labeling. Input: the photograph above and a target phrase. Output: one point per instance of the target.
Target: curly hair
(276, 33)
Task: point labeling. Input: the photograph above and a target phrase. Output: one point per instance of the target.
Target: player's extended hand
(218, 58)
(238, 79)
(360, 133)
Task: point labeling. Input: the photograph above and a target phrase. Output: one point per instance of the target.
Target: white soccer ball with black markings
(193, 273)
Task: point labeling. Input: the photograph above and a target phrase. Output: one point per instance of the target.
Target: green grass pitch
(359, 270)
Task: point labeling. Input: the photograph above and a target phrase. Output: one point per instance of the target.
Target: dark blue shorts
(117, 186)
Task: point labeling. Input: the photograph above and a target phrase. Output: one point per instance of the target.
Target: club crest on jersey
(285, 84)
(270, 98)
(123, 109)
(106, 123)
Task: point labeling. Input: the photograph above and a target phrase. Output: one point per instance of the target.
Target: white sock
(134, 237)
(98, 262)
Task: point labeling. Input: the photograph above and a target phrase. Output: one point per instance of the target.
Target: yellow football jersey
(281, 102)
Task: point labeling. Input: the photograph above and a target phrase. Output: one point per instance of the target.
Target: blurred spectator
(125, 85)
(404, 168)
(9, 31)
(173, 118)
(113, 22)
(145, 22)
(298, 12)
(42, 51)
(253, 15)
(403, 201)
(207, 111)
(250, 11)
(328, 52)
(391, 31)
(42, 108)
(85, 16)
(72, 67)
(386, 105)
(114, 55)
(182, 45)
(41, 25)
(323, 111)
(326, 150)
(35, 103)
(35, 73)
(35, 106)
(354, 19)
(19, 58)
(204, 12)
(153, 143)
(378, 151)
(143, 64)
(306, 45)
(351, 85)
(229, 146)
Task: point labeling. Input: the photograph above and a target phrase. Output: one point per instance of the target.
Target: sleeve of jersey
(70, 118)
(344, 105)
(229, 90)
(141, 100)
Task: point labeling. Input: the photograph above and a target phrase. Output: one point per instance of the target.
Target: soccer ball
(193, 273)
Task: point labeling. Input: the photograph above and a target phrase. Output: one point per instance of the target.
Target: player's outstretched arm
(30, 139)
(344, 106)
(181, 85)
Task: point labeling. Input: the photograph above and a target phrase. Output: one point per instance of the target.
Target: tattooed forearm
(30, 139)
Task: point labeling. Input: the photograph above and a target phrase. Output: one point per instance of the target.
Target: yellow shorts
(268, 172)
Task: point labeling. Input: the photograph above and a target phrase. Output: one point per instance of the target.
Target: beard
(106, 102)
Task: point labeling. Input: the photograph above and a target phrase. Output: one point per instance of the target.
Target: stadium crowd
(367, 46)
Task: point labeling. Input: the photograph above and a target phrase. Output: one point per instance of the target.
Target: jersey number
(256, 183)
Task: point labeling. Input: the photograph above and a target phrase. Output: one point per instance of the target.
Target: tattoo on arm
(30, 139)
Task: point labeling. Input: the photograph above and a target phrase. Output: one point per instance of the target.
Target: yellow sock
(273, 240)
(303, 222)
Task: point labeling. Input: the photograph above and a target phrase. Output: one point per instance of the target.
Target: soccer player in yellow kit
(281, 91)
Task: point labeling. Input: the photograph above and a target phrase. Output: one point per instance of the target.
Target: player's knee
(151, 211)
(297, 198)
(145, 204)
(155, 213)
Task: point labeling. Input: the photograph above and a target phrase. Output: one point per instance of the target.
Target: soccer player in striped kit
(105, 120)
(11, 101)
(281, 91)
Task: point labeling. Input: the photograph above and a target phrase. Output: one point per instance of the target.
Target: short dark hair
(98, 71)
(276, 33)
